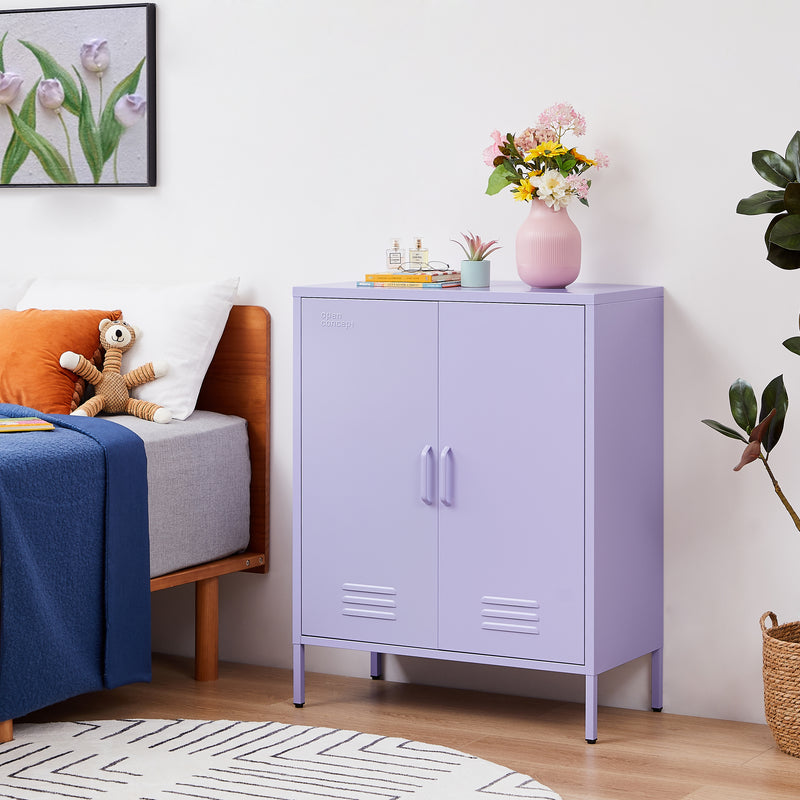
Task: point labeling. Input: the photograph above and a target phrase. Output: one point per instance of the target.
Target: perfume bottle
(418, 256)
(394, 256)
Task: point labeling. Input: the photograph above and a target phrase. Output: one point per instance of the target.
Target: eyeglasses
(424, 266)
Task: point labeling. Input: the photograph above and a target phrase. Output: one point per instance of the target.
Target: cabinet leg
(376, 666)
(299, 674)
(657, 678)
(591, 709)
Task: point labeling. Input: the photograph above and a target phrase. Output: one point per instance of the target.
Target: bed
(236, 384)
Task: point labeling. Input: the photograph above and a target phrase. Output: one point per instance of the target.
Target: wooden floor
(639, 755)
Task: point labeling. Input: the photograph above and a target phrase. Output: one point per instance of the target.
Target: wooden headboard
(238, 382)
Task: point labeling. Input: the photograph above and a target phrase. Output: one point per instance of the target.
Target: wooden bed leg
(206, 629)
(6, 730)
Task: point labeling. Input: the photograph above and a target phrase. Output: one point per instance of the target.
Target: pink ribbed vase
(548, 248)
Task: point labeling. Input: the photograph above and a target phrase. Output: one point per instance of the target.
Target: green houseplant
(783, 232)
(475, 267)
(763, 428)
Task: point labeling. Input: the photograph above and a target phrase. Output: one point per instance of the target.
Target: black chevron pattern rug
(149, 759)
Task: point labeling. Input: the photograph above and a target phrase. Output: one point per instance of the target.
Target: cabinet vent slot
(374, 602)
(509, 614)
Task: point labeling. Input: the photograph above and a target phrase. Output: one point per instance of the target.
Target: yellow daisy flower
(547, 149)
(524, 191)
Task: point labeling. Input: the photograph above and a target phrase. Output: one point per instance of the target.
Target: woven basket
(782, 682)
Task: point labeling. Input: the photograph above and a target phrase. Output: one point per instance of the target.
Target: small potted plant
(475, 268)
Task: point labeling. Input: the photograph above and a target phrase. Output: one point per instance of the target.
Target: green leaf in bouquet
(52, 69)
(89, 134)
(500, 178)
(786, 232)
(774, 396)
(773, 167)
(2, 42)
(52, 161)
(743, 404)
(17, 151)
(793, 154)
(724, 430)
(110, 129)
(770, 201)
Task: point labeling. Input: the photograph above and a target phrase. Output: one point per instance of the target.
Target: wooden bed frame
(237, 382)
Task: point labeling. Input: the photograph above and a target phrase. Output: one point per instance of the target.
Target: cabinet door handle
(426, 475)
(445, 477)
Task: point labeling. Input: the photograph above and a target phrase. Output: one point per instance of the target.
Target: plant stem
(787, 505)
(69, 143)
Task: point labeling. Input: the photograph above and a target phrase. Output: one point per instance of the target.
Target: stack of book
(446, 279)
(16, 424)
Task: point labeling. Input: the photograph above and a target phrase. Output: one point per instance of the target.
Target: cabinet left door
(368, 443)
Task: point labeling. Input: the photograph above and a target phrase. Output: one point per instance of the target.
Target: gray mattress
(198, 477)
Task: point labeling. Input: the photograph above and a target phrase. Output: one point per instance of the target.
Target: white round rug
(149, 759)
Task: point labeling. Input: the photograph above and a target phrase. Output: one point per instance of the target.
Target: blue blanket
(74, 561)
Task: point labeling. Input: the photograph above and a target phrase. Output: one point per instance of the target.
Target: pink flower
(564, 117)
(579, 185)
(526, 140)
(600, 159)
(493, 150)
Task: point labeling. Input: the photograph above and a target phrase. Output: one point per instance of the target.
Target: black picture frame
(100, 63)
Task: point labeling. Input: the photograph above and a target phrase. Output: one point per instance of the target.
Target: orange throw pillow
(31, 342)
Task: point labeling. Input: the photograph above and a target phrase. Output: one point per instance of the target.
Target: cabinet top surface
(498, 291)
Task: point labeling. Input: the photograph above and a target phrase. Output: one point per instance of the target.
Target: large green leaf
(89, 134)
(17, 151)
(110, 129)
(773, 167)
(500, 178)
(774, 396)
(743, 403)
(793, 154)
(786, 232)
(51, 160)
(777, 255)
(2, 42)
(791, 197)
(783, 258)
(52, 69)
(793, 344)
(770, 201)
(724, 430)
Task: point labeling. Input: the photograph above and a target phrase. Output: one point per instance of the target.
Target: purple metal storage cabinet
(478, 476)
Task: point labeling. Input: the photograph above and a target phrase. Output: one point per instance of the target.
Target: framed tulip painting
(77, 96)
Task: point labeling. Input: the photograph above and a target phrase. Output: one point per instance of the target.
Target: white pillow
(11, 291)
(179, 323)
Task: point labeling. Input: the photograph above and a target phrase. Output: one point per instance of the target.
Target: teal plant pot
(475, 274)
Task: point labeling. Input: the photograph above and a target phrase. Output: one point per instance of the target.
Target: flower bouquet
(535, 163)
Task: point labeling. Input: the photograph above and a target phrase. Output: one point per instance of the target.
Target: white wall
(296, 136)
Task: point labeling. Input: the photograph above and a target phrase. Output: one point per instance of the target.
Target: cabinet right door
(511, 517)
